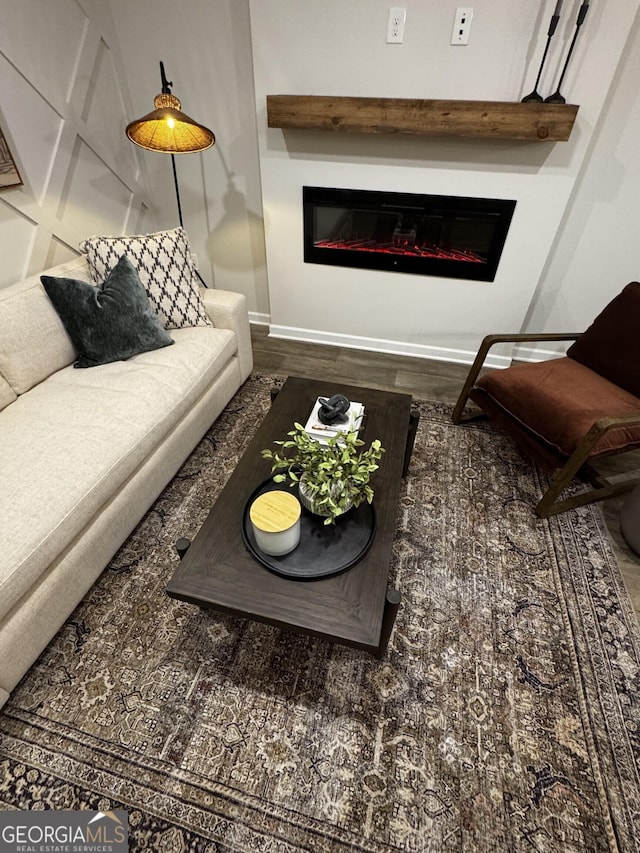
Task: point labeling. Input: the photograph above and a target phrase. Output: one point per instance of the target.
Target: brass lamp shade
(169, 130)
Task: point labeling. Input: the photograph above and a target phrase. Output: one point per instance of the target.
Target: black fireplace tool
(534, 97)
(557, 98)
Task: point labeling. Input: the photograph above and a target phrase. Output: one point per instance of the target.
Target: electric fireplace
(450, 236)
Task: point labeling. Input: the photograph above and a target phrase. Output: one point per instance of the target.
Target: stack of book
(316, 429)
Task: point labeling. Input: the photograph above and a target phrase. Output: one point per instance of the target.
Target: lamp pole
(166, 89)
(175, 181)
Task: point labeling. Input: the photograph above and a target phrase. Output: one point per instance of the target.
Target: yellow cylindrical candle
(275, 517)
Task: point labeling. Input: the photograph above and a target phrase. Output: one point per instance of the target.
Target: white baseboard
(522, 353)
(314, 336)
(449, 354)
(259, 319)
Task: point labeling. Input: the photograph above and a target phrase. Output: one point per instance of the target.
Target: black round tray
(324, 549)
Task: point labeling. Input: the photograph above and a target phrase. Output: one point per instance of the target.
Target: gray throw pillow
(108, 322)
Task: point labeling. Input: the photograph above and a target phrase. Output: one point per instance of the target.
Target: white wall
(335, 48)
(597, 248)
(63, 102)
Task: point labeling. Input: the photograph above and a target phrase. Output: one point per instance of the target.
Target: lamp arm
(165, 83)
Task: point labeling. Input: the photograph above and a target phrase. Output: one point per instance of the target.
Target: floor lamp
(170, 131)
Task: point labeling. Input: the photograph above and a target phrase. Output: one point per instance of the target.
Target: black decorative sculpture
(333, 410)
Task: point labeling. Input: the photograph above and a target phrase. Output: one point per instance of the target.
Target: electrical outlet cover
(395, 25)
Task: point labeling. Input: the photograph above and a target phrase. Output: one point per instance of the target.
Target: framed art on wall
(9, 175)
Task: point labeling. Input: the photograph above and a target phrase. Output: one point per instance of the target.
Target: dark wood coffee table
(355, 607)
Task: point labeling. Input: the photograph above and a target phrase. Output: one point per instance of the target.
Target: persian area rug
(505, 716)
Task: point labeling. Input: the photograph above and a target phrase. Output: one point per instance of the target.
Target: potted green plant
(333, 476)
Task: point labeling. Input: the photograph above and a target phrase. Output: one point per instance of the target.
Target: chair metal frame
(577, 464)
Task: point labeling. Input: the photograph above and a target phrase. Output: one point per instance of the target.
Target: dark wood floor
(431, 380)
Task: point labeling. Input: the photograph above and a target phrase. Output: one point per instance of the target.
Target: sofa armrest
(228, 310)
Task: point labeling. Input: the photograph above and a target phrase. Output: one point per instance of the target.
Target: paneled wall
(63, 109)
(206, 49)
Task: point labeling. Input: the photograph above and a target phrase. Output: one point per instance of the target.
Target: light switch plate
(462, 25)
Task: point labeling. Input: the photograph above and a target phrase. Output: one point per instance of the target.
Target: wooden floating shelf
(481, 119)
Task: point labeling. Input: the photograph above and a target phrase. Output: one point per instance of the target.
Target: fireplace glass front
(450, 236)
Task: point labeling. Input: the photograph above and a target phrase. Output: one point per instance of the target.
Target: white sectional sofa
(84, 452)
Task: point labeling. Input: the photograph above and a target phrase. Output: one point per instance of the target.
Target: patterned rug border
(624, 650)
(197, 820)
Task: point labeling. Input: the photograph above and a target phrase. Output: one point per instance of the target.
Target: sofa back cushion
(611, 344)
(7, 394)
(33, 340)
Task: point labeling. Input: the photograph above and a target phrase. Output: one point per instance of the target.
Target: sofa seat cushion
(555, 403)
(77, 437)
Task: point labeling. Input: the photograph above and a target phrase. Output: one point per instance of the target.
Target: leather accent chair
(570, 411)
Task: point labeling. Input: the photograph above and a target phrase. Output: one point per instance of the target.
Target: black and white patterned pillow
(166, 269)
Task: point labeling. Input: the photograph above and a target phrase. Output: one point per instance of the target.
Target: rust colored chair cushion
(547, 407)
(611, 344)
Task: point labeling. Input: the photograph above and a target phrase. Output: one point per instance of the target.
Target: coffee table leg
(414, 420)
(182, 546)
(391, 605)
